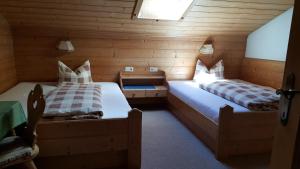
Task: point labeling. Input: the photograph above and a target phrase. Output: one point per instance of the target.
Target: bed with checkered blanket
(74, 100)
(252, 96)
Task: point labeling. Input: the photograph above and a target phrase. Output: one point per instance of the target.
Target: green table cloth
(11, 116)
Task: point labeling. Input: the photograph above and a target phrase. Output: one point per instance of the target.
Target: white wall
(271, 40)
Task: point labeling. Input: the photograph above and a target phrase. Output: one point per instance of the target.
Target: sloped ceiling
(205, 17)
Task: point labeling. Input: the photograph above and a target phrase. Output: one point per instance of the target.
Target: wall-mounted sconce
(207, 48)
(66, 46)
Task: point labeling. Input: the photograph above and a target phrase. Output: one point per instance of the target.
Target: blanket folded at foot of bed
(249, 95)
(71, 99)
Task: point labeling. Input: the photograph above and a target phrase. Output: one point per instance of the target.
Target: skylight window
(162, 9)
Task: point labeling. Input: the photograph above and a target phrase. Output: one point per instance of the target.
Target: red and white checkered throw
(249, 95)
(71, 99)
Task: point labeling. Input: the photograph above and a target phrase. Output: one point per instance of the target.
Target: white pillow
(81, 75)
(200, 71)
(218, 70)
(203, 75)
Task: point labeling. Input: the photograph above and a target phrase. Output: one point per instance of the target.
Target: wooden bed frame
(236, 133)
(77, 144)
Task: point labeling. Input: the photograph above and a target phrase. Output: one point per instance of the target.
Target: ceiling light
(162, 9)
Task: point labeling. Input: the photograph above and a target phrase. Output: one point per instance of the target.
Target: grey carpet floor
(167, 144)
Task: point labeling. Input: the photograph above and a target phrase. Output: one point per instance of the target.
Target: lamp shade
(65, 46)
(207, 49)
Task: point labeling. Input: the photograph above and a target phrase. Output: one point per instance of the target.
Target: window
(162, 9)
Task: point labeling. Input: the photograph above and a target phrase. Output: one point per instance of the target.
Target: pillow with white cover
(203, 75)
(218, 70)
(81, 75)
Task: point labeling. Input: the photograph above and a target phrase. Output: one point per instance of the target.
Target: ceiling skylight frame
(138, 8)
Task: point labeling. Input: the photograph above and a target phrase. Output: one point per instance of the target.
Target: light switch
(153, 69)
(129, 69)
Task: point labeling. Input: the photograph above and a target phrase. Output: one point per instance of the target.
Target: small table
(143, 84)
(11, 116)
(143, 88)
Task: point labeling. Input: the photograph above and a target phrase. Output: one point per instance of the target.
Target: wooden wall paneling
(108, 55)
(204, 17)
(7, 61)
(247, 4)
(263, 72)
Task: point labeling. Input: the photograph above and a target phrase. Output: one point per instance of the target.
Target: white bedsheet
(115, 104)
(201, 100)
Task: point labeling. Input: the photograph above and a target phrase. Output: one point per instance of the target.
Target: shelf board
(161, 87)
(134, 89)
(142, 77)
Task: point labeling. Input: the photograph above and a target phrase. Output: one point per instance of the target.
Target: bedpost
(225, 117)
(134, 139)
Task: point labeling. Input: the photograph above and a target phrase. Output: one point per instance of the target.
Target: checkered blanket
(71, 99)
(249, 95)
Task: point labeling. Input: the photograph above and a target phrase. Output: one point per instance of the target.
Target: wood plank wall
(204, 17)
(263, 72)
(36, 56)
(7, 61)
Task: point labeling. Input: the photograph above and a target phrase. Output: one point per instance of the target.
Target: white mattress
(114, 103)
(200, 100)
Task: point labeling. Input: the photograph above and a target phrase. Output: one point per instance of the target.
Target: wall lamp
(207, 48)
(66, 46)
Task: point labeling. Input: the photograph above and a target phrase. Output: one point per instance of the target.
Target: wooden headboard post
(263, 72)
(134, 139)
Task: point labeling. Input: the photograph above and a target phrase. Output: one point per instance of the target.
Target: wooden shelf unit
(158, 79)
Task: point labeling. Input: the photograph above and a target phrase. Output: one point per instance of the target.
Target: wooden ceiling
(205, 17)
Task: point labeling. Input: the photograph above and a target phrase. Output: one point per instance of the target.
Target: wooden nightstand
(142, 88)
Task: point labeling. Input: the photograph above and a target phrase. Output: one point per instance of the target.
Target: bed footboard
(244, 133)
(76, 144)
(202, 127)
(236, 133)
(134, 139)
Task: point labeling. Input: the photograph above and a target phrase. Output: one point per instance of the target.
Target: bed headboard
(263, 72)
(7, 61)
